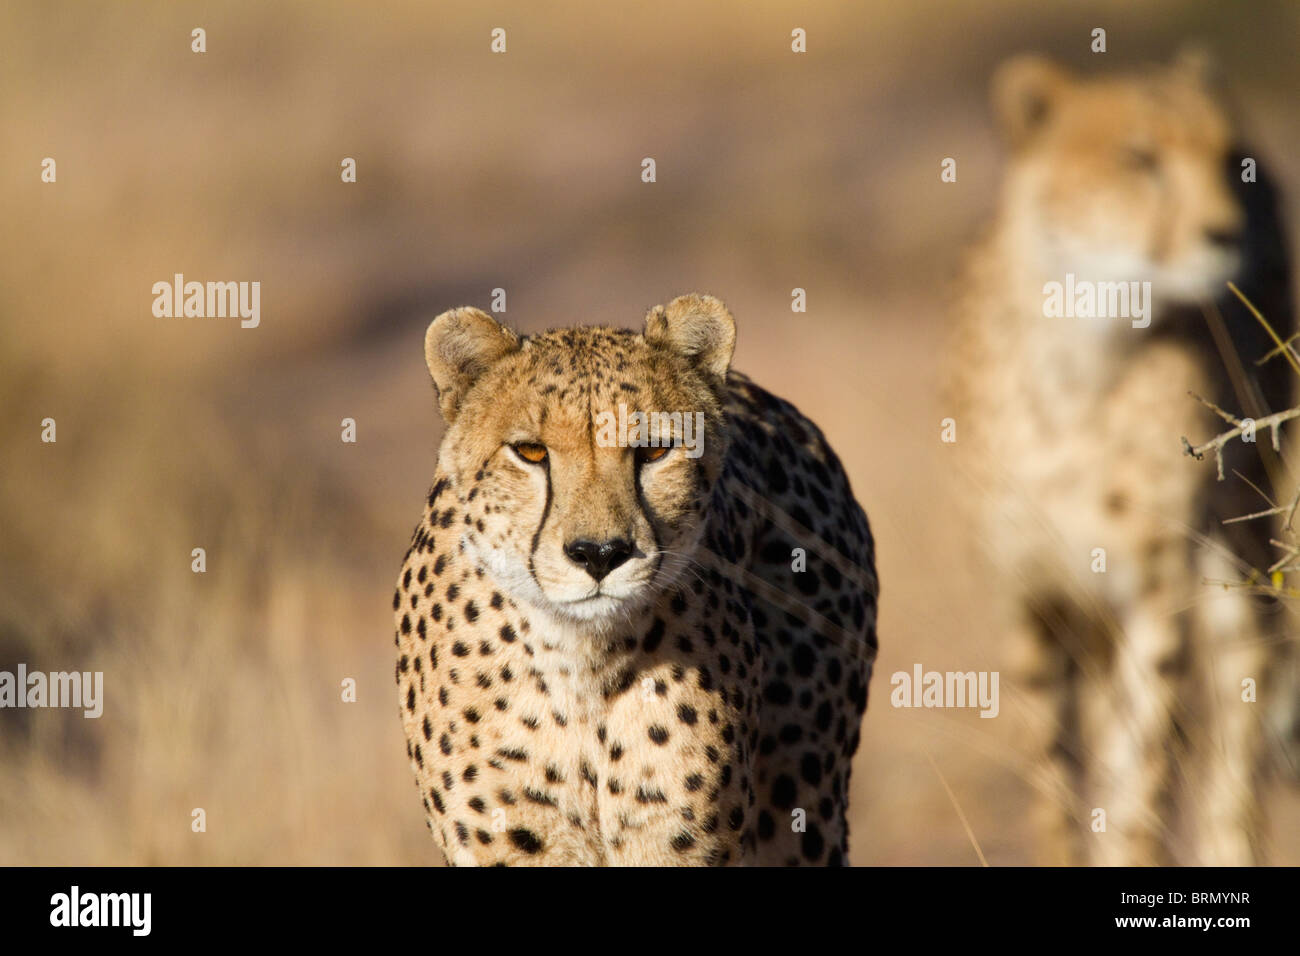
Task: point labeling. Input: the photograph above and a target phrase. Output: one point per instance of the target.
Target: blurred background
(475, 171)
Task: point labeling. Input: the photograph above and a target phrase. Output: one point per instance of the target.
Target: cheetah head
(574, 503)
(1128, 177)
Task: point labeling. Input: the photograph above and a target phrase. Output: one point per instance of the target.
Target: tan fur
(662, 713)
(1070, 432)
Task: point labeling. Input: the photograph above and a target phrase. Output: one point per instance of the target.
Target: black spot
(658, 735)
(813, 844)
(686, 714)
(783, 791)
(778, 692)
(536, 796)
(807, 582)
(620, 682)
(654, 636)
(526, 840)
(810, 768)
(776, 478)
(803, 659)
(823, 717)
(683, 842)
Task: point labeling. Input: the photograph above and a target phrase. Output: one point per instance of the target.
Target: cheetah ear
(461, 345)
(696, 326)
(1025, 91)
(1196, 63)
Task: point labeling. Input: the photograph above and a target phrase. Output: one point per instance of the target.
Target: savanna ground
(476, 171)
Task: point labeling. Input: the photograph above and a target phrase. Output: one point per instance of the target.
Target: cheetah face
(1122, 179)
(565, 509)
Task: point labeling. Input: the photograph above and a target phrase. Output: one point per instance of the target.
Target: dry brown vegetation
(522, 172)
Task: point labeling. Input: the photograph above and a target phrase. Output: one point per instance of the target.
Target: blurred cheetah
(1073, 429)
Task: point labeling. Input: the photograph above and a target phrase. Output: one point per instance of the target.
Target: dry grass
(223, 688)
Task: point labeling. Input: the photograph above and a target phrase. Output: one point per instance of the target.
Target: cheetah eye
(648, 454)
(532, 452)
(1141, 159)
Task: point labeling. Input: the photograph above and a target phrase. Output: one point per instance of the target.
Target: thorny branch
(1274, 576)
(1272, 422)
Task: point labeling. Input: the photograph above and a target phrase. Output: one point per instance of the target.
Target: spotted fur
(698, 702)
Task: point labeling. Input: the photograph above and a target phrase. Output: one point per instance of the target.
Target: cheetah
(635, 650)
(1103, 531)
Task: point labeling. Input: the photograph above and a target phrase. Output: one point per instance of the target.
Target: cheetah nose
(599, 558)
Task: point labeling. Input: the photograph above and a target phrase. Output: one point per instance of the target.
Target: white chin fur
(513, 577)
(1199, 275)
(1203, 275)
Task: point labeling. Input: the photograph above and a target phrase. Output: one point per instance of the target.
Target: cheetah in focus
(1103, 530)
(644, 652)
